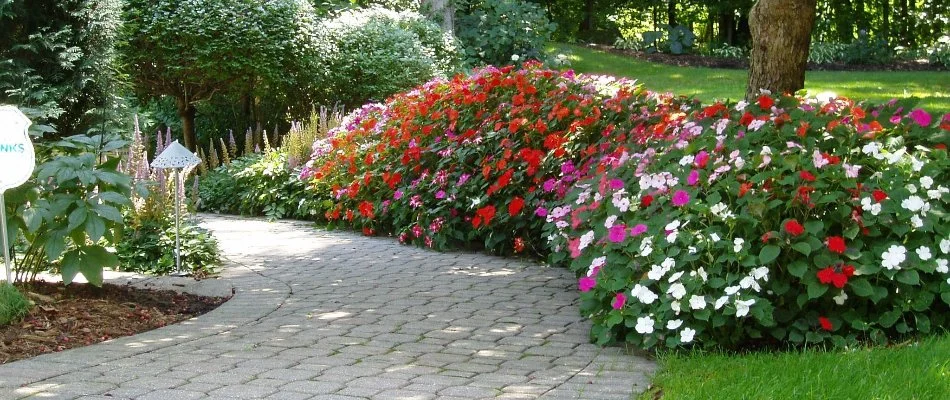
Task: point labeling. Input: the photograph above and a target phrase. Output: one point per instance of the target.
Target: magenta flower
(680, 198)
(921, 117)
(616, 184)
(586, 283)
(440, 194)
(541, 212)
(617, 233)
(693, 178)
(701, 159)
(567, 168)
(463, 179)
(637, 230)
(397, 195)
(548, 185)
(619, 301)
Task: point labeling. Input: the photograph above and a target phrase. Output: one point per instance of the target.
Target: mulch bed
(78, 315)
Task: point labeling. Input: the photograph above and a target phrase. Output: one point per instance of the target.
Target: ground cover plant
(931, 87)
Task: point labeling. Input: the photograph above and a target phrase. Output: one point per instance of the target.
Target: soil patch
(696, 60)
(78, 315)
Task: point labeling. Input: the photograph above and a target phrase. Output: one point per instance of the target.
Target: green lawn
(933, 88)
(915, 371)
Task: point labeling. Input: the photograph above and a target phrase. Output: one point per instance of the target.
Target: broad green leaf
(55, 244)
(77, 217)
(769, 253)
(108, 212)
(802, 247)
(861, 287)
(909, 277)
(816, 289)
(95, 228)
(814, 227)
(798, 268)
(888, 319)
(70, 266)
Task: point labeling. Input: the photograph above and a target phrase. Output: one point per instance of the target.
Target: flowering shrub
(781, 220)
(474, 160)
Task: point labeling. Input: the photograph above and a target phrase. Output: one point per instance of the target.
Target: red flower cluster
(836, 275)
(836, 244)
(794, 228)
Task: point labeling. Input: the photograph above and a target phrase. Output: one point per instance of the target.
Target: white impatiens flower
(731, 290)
(643, 294)
(714, 237)
(872, 149)
(742, 307)
(737, 244)
(924, 253)
(893, 257)
(721, 302)
(916, 222)
(644, 325)
(721, 210)
(942, 266)
(913, 203)
(916, 164)
(656, 272)
(646, 247)
(749, 282)
(596, 263)
(676, 307)
(911, 188)
(586, 240)
(761, 273)
(691, 249)
(818, 160)
(840, 298)
(609, 222)
(741, 105)
(687, 160)
(668, 263)
(687, 334)
(870, 206)
(672, 226)
(926, 182)
(675, 277)
(674, 324)
(697, 302)
(945, 246)
(934, 194)
(677, 290)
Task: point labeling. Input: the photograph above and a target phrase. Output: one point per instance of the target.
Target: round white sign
(17, 159)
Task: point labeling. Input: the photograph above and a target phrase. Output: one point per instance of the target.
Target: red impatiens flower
(366, 209)
(519, 244)
(483, 216)
(514, 208)
(836, 275)
(766, 102)
(646, 201)
(879, 195)
(746, 119)
(794, 228)
(744, 188)
(807, 176)
(825, 324)
(836, 244)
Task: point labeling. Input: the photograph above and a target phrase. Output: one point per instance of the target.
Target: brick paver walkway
(333, 315)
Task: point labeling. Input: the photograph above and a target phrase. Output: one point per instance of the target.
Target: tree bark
(440, 9)
(186, 111)
(781, 34)
(671, 13)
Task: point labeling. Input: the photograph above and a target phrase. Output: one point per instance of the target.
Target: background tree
(56, 61)
(194, 49)
(781, 34)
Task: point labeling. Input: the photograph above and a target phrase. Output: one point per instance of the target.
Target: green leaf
(889, 318)
(814, 227)
(922, 301)
(77, 217)
(70, 266)
(816, 289)
(798, 268)
(802, 247)
(769, 253)
(861, 287)
(945, 296)
(909, 277)
(108, 212)
(55, 244)
(95, 228)
(33, 219)
(94, 260)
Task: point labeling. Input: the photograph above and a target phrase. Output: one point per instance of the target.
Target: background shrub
(370, 54)
(256, 184)
(492, 31)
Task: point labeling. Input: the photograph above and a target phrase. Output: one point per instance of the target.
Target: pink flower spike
(619, 300)
(680, 198)
(617, 233)
(693, 178)
(637, 230)
(586, 283)
(921, 117)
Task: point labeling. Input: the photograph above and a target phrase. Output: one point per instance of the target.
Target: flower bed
(781, 220)
(473, 161)
(784, 220)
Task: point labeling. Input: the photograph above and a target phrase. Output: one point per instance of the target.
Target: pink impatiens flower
(637, 230)
(680, 198)
(693, 178)
(617, 233)
(619, 301)
(921, 117)
(585, 284)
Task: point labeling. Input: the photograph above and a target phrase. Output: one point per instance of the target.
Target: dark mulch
(77, 315)
(695, 60)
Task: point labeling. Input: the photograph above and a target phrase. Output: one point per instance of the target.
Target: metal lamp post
(176, 157)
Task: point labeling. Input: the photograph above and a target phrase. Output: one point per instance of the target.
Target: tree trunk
(186, 111)
(886, 16)
(441, 11)
(587, 23)
(781, 34)
(671, 12)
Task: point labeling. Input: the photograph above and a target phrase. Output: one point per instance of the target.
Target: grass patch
(914, 371)
(13, 305)
(931, 87)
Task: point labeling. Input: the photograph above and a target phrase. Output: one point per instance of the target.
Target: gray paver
(333, 315)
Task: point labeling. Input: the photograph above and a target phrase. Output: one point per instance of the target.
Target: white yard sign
(17, 161)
